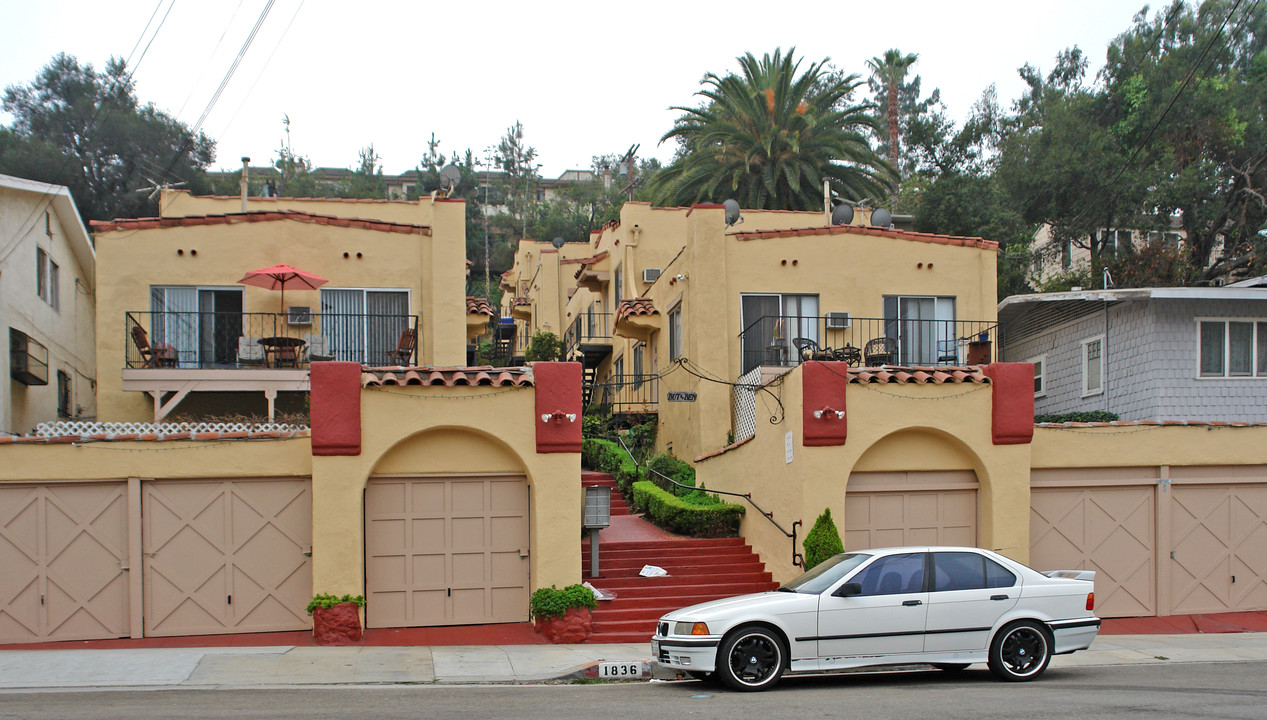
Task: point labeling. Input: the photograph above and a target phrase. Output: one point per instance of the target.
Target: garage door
(1077, 521)
(1219, 537)
(446, 551)
(226, 556)
(884, 509)
(63, 550)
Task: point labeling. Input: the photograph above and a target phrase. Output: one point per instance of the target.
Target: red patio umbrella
(280, 277)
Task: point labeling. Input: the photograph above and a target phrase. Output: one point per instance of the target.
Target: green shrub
(543, 345)
(1091, 416)
(822, 541)
(641, 439)
(600, 455)
(677, 515)
(325, 601)
(553, 602)
(671, 467)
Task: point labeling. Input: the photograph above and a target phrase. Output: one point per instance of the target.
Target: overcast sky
(585, 78)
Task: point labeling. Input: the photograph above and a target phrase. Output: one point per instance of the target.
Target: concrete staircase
(700, 569)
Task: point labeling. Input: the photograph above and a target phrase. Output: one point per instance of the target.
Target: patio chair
(250, 352)
(948, 351)
(159, 355)
(880, 351)
(318, 347)
(403, 355)
(807, 348)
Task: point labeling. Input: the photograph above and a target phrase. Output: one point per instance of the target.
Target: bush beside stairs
(699, 569)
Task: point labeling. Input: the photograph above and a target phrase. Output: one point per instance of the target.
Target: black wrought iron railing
(627, 393)
(502, 343)
(587, 328)
(211, 340)
(785, 340)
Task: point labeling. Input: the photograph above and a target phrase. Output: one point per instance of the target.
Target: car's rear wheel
(1020, 651)
(751, 658)
(951, 667)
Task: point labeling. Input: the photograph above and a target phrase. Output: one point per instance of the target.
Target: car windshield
(825, 574)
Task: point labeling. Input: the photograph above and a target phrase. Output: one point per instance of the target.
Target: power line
(207, 64)
(262, 69)
(233, 68)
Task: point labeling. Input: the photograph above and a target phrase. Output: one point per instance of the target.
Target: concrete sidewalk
(288, 666)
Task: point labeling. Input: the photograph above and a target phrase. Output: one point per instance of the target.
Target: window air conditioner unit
(837, 320)
(28, 359)
(649, 275)
(299, 315)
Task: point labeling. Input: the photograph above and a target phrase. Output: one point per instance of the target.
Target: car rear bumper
(680, 654)
(1073, 635)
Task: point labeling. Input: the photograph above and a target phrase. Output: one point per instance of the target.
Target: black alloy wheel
(1020, 651)
(751, 658)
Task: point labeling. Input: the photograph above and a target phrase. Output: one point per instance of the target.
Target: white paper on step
(653, 571)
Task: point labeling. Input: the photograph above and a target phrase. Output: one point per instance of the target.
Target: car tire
(951, 667)
(751, 658)
(1020, 651)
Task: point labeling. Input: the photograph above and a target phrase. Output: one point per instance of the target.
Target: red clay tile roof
(521, 301)
(154, 437)
(448, 376)
(478, 306)
(877, 232)
(584, 261)
(635, 306)
(919, 375)
(99, 226)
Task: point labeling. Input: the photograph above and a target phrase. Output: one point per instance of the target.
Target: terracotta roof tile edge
(255, 216)
(724, 450)
(863, 230)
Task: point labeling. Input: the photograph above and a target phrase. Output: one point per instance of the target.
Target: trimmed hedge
(553, 602)
(672, 467)
(677, 515)
(1091, 416)
(822, 541)
(600, 455)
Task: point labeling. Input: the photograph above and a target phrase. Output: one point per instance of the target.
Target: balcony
(787, 340)
(627, 394)
(170, 354)
(590, 335)
(502, 344)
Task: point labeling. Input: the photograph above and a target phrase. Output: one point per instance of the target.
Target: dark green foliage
(673, 468)
(543, 345)
(680, 516)
(822, 541)
(641, 439)
(553, 602)
(324, 601)
(600, 455)
(1092, 416)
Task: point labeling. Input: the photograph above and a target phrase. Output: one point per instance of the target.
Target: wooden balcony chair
(160, 355)
(403, 355)
(250, 352)
(880, 351)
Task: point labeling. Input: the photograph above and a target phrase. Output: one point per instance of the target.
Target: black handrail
(798, 560)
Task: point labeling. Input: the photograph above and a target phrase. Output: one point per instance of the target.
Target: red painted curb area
(1186, 624)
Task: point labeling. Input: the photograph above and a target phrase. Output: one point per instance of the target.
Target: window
(46, 278)
(675, 333)
(637, 364)
(618, 369)
(1066, 254)
(64, 406)
(1093, 366)
(1232, 348)
(924, 328)
(893, 575)
(771, 322)
(968, 571)
(1040, 375)
(1114, 241)
(618, 285)
(366, 326)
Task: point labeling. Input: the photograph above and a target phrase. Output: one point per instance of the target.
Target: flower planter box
(337, 625)
(573, 627)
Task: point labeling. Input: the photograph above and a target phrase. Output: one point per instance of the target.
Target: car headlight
(690, 628)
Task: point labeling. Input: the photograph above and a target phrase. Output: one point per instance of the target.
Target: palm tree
(887, 75)
(768, 137)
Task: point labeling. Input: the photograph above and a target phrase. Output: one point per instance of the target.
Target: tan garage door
(884, 509)
(446, 551)
(1219, 536)
(63, 550)
(1109, 529)
(226, 556)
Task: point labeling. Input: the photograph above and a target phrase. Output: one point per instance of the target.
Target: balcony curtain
(175, 321)
(363, 326)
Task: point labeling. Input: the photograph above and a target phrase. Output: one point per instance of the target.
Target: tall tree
(888, 73)
(367, 179)
(517, 160)
(86, 129)
(768, 137)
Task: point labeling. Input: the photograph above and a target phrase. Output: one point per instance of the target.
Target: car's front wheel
(751, 658)
(1020, 651)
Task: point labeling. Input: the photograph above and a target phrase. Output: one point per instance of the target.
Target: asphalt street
(1180, 690)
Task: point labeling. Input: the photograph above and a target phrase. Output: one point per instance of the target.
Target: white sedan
(944, 606)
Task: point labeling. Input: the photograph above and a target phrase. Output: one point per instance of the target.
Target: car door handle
(998, 597)
(912, 603)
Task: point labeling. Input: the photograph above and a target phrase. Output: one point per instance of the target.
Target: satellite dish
(732, 212)
(881, 218)
(450, 176)
(557, 243)
(842, 214)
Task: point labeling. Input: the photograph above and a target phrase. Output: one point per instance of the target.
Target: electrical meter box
(598, 506)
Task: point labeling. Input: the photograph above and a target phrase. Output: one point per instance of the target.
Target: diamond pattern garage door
(446, 551)
(226, 556)
(1106, 529)
(1219, 536)
(885, 509)
(62, 552)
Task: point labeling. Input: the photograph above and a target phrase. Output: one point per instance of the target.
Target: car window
(893, 575)
(826, 573)
(968, 571)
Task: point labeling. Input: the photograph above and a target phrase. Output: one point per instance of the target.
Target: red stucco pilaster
(1012, 411)
(335, 408)
(558, 388)
(823, 416)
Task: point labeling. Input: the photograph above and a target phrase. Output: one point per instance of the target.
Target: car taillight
(1090, 601)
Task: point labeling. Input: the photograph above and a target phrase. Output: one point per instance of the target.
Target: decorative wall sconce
(558, 416)
(828, 413)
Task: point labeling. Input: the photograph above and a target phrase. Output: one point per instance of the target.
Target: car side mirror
(849, 588)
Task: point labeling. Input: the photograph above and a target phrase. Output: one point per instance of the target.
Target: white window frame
(1257, 338)
(47, 278)
(1040, 375)
(675, 332)
(1082, 359)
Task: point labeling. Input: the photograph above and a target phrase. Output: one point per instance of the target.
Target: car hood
(768, 603)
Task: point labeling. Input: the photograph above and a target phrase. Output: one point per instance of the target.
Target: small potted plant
(336, 620)
(563, 616)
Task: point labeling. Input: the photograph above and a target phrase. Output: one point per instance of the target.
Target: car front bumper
(695, 654)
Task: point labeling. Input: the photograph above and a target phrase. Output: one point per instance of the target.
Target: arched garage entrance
(444, 547)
